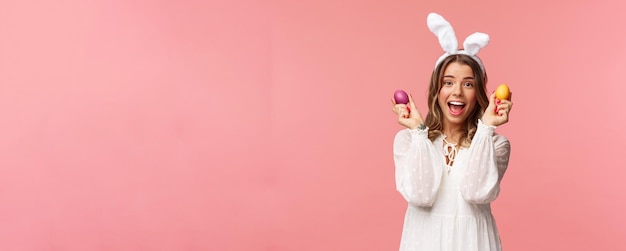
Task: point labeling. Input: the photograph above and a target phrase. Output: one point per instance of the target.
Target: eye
(447, 82)
(468, 84)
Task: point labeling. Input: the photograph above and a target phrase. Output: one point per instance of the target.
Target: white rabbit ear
(443, 30)
(473, 43)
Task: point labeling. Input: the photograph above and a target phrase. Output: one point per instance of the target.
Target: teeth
(456, 103)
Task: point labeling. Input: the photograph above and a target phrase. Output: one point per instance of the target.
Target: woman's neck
(453, 133)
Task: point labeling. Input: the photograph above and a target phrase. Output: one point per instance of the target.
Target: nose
(457, 89)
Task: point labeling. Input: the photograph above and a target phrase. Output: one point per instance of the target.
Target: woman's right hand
(408, 115)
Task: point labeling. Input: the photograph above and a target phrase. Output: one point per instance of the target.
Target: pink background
(267, 125)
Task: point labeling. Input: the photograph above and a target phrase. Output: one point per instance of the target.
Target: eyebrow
(450, 76)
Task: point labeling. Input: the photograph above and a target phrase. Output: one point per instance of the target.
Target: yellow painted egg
(503, 92)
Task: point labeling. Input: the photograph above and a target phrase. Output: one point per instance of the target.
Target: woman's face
(457, 96)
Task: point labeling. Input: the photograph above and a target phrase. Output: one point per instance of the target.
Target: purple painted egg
(401, 97)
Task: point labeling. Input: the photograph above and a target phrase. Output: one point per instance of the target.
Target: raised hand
(497, 112)
(408, 115)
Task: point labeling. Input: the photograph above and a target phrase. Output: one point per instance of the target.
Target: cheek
(472, 100)
(441, 99)
(442, 95)
(442, 105)
(471, 95)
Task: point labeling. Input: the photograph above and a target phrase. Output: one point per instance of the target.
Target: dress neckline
(450, 152)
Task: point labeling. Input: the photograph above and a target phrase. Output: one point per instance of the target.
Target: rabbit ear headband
(443, 30)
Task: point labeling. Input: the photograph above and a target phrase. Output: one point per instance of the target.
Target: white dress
(449, 207)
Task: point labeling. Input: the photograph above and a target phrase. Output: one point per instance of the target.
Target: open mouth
(456, 107)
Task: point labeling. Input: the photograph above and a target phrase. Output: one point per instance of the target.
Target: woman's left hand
(497, 112)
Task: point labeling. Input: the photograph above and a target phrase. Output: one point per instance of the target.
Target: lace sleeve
(489, 158)
(418, 167)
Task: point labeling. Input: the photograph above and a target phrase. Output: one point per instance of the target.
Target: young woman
(449, 166)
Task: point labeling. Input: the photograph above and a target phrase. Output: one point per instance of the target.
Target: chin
(461, 119)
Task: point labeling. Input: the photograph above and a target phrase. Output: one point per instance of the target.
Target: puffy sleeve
(488, 160)
(418, 167)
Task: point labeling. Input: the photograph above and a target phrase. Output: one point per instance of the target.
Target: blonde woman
(449, 166)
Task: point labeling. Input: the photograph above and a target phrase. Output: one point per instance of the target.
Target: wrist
(488, 122)
(420, 127)
(485, 128)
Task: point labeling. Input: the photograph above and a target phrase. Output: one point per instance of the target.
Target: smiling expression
(457, 96)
